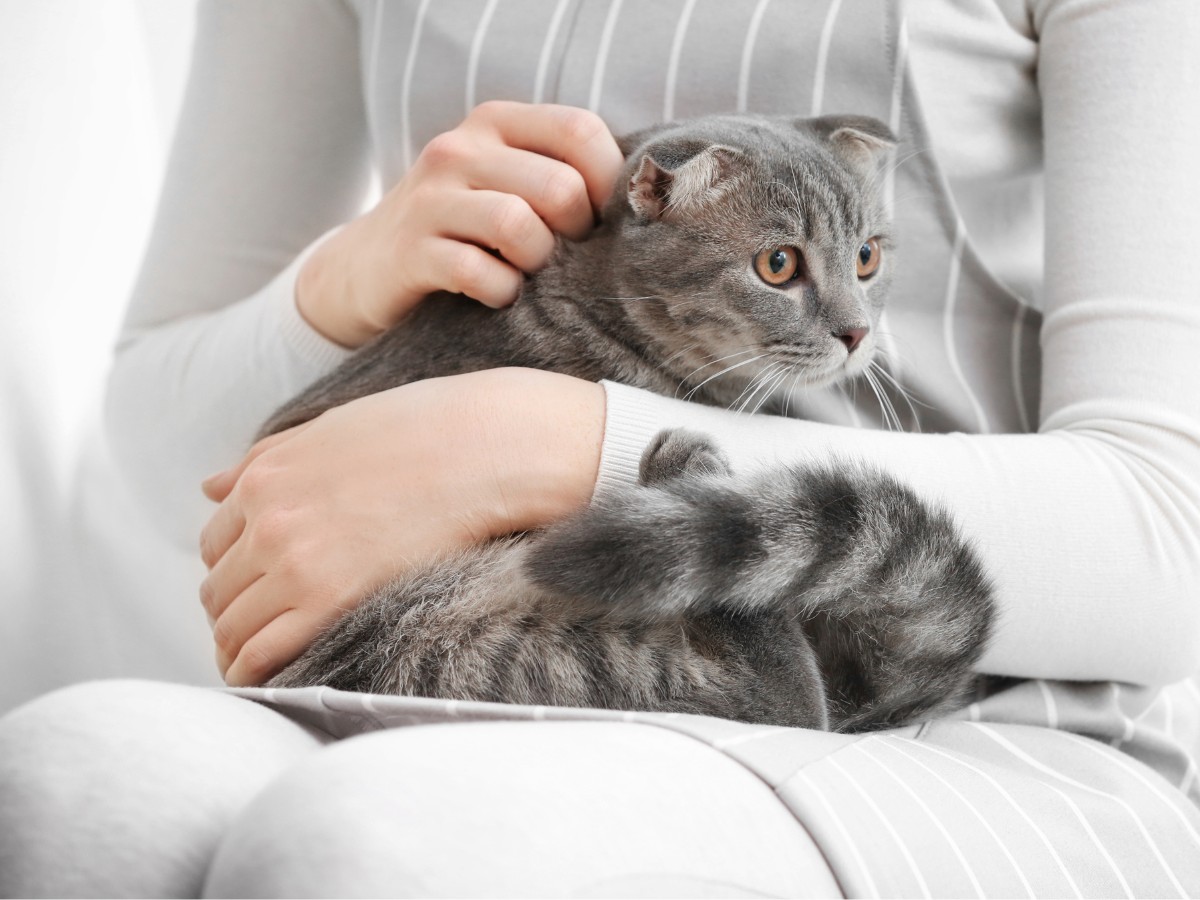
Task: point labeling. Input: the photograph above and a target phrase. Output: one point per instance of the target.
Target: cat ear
(678, 176)
(863, 143)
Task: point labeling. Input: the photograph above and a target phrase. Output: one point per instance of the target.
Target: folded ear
(863, 143)
(675, 176)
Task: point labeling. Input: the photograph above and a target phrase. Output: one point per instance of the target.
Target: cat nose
(851, 337)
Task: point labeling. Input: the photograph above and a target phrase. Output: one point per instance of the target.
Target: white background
(89, 91)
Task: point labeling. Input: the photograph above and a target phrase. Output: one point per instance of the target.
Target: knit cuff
(315, 351)
(630, 423)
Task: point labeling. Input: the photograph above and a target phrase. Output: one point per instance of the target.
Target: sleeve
(271, 152)
(1090, 527)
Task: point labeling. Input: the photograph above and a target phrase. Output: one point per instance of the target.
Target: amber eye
(870, 255)
(777, 266)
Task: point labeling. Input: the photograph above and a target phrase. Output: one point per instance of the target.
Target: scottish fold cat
(741, 258)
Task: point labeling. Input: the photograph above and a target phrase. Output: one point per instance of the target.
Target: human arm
(270, 152)
(317, 516)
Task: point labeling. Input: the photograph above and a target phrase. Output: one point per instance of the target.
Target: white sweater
(1090, 525)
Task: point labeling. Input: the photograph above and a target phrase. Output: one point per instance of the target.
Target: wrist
(324, 293)
(548, 439)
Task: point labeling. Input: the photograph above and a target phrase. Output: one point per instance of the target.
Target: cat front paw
(676, 453)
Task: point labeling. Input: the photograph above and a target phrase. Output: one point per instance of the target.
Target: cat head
(760, 244)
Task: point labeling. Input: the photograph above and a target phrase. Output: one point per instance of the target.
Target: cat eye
(870, 255)
(777, 266)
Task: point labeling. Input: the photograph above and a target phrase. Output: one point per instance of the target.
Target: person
(1043, 315)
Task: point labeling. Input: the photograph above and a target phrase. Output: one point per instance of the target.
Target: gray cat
(813, 596)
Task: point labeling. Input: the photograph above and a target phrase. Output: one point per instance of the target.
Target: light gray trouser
(142, 789)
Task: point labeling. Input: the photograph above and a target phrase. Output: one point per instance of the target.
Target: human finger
(555, 190)
(495, 220)
(228, 578)
(463, 268)
(220, 532)
(217, 487)
(271, 647)
(575, 136)
(249, 613)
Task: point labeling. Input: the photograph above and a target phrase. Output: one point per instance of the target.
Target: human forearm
(1088, 532)
(318, 516)
(186, 398)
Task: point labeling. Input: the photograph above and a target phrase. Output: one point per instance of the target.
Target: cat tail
(895, 602)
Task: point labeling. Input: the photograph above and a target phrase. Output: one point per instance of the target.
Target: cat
(825, 597)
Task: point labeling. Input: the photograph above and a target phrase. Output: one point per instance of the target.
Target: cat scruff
(740, 257)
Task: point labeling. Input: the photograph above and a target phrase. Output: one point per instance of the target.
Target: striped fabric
(427, 64)
(1007, 801)
(1037, 789)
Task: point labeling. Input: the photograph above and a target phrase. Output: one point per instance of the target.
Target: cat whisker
(880, 176)
(755, 385)
(623, 299)
(799, 382)
(895, 416)
(791, 190)
(724, 371)
(891, 404)
(909, 399)
(764, 385)
(678, 353)
(701, 368)
(885, 408)
(770, 391)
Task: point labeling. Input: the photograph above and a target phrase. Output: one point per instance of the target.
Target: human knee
(509, 807)
(125, 787)
(52, 733)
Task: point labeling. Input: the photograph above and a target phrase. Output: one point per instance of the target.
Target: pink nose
(851, 337)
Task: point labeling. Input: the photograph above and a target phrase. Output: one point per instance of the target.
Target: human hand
(314, 518)
(508, 178)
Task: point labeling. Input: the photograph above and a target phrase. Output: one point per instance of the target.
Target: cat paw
(676, 453)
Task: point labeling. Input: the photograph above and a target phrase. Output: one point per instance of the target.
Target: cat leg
(675, 542)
